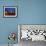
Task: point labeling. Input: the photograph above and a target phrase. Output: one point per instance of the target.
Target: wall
(7, 25)
(29, 12)
(32, 11)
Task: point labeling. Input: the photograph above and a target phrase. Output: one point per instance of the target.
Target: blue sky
(10, 9)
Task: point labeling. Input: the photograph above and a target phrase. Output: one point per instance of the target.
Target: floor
(7, 45)
(30, 43)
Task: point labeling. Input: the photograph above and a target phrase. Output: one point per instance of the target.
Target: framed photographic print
(10, 11)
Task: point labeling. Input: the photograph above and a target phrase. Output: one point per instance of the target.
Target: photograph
(10, 11)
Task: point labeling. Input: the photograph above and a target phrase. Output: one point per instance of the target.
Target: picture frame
(9, 11)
